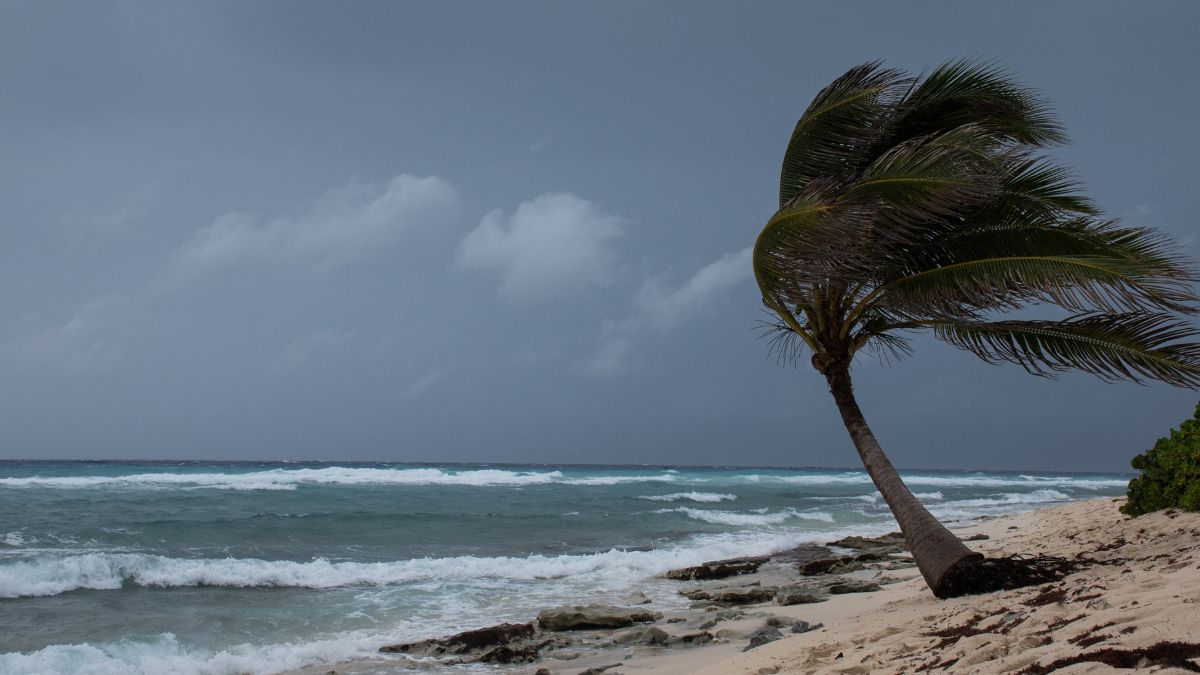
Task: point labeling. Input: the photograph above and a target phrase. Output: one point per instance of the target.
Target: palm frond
(835, 133)
(812, 242)
(782, 342)
(930, 180)
(1131, 346)
(1036, 185)
(970, 91)
(1075, 282)
(1018, 235)
(924, 202)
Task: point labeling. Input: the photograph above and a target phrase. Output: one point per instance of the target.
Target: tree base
(975, 575)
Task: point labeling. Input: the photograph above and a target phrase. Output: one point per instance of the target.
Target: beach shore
(1137, 606)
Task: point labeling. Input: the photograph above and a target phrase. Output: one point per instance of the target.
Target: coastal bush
(1170, 472)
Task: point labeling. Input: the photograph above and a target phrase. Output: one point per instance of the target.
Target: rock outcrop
(642, 635)
(718, 569)
(581, 617)
(762, 636)
(797, 595)
(891, 540)
(853, 586)
(743, 595)
(505, 643)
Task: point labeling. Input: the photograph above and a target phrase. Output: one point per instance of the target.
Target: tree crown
(910, 203)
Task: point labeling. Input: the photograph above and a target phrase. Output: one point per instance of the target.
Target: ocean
(249, 567)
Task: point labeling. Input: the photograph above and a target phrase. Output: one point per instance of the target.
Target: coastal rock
(797, 595)
(579, 617)
(636, 598)
(505, 643)
(892, 540)
(524, 652)
(695, 593)
(774, 621)
(744, 595)
(719, 569)
(804, 626)
(854, 586)
(691, 639)
(600, 669)
(802, 553)
(762, 636)
(643, 635)
(830, 566)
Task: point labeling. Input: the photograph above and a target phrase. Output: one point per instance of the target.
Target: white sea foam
(860, 478)
(1044, 496)
(13, 539)
(289, 479)
(166, 655)
(928, 495)
(702, 497)
(1007, 502)
(615, 568)
(618, 480)
(757, 517)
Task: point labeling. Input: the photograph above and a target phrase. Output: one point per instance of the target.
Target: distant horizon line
(655, 465)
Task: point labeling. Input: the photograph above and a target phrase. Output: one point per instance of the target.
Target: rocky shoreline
(735, 602)
(1131, 606)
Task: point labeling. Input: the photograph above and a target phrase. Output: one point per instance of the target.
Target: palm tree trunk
(940, 556)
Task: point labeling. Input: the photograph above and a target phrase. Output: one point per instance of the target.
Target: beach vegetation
(927, 203)
(1169, 472)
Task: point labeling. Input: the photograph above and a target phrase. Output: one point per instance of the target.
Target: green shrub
(1170, 472)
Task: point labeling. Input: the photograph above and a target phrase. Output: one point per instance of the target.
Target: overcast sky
(508, 232)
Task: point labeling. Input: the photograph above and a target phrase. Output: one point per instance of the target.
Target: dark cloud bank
(474, 232)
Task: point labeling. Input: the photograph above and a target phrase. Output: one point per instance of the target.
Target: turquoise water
(114, 567)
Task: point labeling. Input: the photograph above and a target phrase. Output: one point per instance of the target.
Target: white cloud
(343, 225)
(307, 347)
(552, 245)
(665, 307)
(92, 339)
(660, 307)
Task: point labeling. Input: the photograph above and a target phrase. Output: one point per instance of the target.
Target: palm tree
(910, 203)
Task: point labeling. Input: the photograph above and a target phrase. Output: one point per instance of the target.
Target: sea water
(205, 567)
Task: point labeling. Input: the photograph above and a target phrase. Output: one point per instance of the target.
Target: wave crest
(701, 497)
(615, 568)
(289, 479)
(758, 517)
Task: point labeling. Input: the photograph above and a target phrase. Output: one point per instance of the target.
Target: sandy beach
(1134, 607)
(1142, 592)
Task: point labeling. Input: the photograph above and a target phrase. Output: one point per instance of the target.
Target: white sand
(1146, 590)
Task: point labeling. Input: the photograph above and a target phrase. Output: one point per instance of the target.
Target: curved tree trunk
(939, 554)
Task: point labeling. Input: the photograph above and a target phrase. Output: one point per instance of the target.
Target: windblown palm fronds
(908, 204)
(925, 203)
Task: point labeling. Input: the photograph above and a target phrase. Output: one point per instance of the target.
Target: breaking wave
(758, 517)
(289, 479)
(701, 497)
(860, 478)
(165, 654)
(616, 568)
